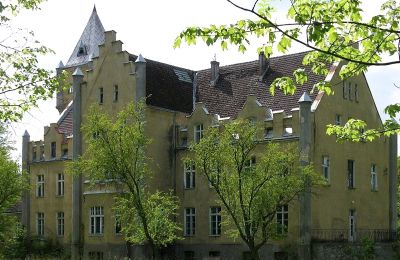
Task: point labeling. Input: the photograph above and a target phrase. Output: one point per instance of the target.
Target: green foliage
(250, 193)
(116, 151)
(12, 183)
(23, 83)
(334, 31)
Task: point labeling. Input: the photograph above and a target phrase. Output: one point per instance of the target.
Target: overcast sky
(150, 27)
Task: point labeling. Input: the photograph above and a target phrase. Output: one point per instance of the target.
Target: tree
(334, 31)
(116, 150)
(12, 183)
(251, 186)
(23, 83)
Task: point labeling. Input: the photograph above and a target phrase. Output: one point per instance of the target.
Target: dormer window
(82, 50)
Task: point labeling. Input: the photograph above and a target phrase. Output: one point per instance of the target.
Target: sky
(150, 27)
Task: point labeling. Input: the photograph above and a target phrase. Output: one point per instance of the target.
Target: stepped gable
(237, 81)
(168, 86)
(87, 45)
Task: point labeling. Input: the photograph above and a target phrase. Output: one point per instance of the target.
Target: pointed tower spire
(87, 45)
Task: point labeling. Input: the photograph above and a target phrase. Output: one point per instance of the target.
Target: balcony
(342, 235)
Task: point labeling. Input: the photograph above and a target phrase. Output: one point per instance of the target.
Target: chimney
(214, 73)
(263, 65)
(140, 70)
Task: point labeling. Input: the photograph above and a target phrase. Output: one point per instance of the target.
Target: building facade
(359, 199)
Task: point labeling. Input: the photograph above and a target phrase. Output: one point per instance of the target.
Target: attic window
(82, 50)
(183, 75)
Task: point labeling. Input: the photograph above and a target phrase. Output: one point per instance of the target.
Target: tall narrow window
(40, 185)
(282, 219)
(189, 176)
(60, 223)
(65, 153)
(350, 174)
(198, 132)
(53, 149)
(352, 225)
(338, 119)
(190, 221)
(350, 91)
(101, 95)
(356, 92)
(269, 133)
(345, 90)
(115, 97)
(40, 223)
(374, 178)
(96, 220)
(325, 168)
(118, 224)
(60, 184)
(215, 221)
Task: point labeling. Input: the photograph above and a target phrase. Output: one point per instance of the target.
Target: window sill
(96, 235)
(59, 196)
(351, 188)
(215, 236)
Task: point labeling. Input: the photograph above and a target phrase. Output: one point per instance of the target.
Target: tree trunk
(254, 254)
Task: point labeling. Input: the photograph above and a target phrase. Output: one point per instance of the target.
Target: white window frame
(60, 224)
(53, 150)
(374, 178)
(40, 186)
(352, 225)
(189, 176)
(96, 220)
(60, 184)
(189, 221)
(215, 221)
(250, 163)
(282, 219)
(40, 223)
(198, 132)
(326, 173)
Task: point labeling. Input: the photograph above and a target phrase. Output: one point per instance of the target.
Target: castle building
(359, 199)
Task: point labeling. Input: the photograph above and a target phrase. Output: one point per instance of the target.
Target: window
(60, 223)
(198, 132)
(189, 176)
(338, 119)
(65, 153)
(188, 255)
(40, 186)
(350, 174)
(349, 90)
(115, 97)
(356, 92)
(40, 223)
(190, 221)
(282, 219)
(60, 184)
(101, 95)
(269, 132)
(53, 149)
(184, 141)
(34, 154)
(352, 225)
(250, 163)
(325, 168)
(287, 130)
(215, 221)
(374, 178)
(344, 90)
(70, 90)
(96, 255)
(118, 224)
(96, 220)
(214, 176)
